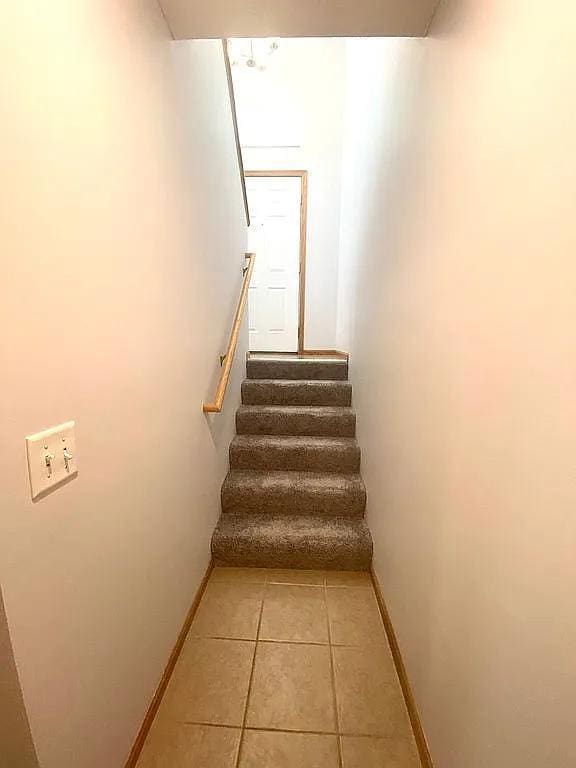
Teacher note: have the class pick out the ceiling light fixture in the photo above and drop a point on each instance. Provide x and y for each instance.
(252, 53)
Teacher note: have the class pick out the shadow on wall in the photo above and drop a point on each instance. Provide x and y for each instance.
(16, 747)
(398, 151)
(387, 248)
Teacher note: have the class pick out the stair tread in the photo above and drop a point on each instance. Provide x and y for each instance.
(292, 541)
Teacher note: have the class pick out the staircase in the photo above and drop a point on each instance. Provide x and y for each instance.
(293, 497)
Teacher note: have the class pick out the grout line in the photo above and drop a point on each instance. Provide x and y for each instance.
(266, 640)
(372, 646)
(223, 637)
(333, 675)
(296, 583)
(348, 586)
(262, 583)
(241, 742)
(205, 723)
(293, 584)
(238, 581)
(325, 586)
(268, 729)
(294, 642)
(345, 734)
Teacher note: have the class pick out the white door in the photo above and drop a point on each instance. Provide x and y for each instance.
(274, 236)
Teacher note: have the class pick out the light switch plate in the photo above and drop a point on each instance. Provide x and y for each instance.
(51, 457)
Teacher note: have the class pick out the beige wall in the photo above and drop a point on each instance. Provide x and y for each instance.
(265, 18)
(459, 248)
(122, 239)
(16, 747)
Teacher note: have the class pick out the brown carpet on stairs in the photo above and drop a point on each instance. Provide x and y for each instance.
(294, 497)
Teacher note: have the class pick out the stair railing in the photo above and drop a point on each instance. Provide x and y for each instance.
(227, 359)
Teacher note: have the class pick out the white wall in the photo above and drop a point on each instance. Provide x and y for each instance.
(290, 117)
(122, 241)
(459, 239)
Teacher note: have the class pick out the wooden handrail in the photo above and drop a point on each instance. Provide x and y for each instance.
(235, 124)
(228, 358)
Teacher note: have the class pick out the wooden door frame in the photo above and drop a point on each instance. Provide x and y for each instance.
(303, 175)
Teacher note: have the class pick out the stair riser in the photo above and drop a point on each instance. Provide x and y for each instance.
(298, 369)
(267, 392)
(296, 424)
(293, 501)
(248, 552)
(303, 458)
(325, 561)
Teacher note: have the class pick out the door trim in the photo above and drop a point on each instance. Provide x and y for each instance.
(303, 224)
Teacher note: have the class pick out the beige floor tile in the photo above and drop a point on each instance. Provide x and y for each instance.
(348, 579)
(294, 613)
(249, 575)
(292, 688)
(182, 746)
(366, 752)
(229, 610)
(268, 749)
(354, 617)
(210, 682)
(368, 693)
(294, 576)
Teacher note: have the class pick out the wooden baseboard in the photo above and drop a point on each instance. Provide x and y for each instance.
(165, 679)
(419, 735)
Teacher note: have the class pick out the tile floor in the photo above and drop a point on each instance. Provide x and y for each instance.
(283, 669)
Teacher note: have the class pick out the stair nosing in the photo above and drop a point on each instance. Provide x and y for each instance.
(305, 408)
(321, 382)
(325, 438)
(289, 472)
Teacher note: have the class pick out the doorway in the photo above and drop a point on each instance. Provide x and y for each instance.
(277, 234)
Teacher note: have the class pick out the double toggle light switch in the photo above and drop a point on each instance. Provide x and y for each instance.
(51, 457)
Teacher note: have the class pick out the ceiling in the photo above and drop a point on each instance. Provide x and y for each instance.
(298, 18)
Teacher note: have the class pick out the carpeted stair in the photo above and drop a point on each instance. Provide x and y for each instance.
(293, 497)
